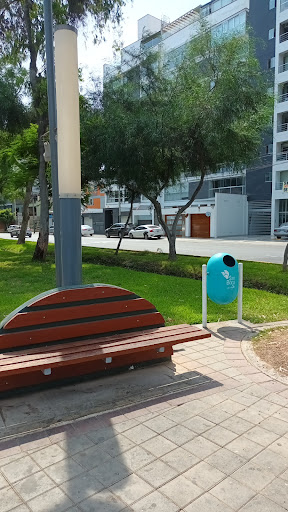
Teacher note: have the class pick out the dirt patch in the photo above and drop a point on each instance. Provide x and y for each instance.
(272, 347)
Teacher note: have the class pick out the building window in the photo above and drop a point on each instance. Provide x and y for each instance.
(272, 4)
(283, 5)
(269, 149)
(271, 33)
(271, 63)
(231, 185)
(283, 211)
(268, 177)
(237, 25)
(91, 201)
(179, 192)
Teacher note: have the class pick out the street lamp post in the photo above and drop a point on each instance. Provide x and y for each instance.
(69, 160)
(48, 24)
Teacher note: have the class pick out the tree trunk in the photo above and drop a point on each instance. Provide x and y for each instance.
(172, 245)
(285, 259)
(126, 223)
(25, 218)
(42, 242)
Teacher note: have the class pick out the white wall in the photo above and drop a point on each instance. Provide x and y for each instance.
(148, 25)
(231, 212)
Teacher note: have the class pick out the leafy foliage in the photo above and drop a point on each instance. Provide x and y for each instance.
(6, 216)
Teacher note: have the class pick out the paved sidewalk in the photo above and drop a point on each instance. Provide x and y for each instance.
(218, 445)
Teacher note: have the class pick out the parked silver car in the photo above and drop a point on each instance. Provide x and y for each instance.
(282, 231)
(86, 230)
(16, 232)
(146, 231)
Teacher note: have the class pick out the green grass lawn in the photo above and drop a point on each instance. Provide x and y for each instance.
(177, 298)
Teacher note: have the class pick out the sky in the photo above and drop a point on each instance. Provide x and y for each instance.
(92, 57)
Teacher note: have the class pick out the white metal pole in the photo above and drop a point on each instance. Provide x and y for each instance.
(204, 295)
(240, 293)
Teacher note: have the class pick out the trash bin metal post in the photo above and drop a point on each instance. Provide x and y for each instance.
(204, 296)
(240, 293)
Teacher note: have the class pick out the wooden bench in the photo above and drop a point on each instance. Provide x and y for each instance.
(65, 333)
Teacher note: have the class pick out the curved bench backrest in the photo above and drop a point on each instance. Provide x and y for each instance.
(77, 313)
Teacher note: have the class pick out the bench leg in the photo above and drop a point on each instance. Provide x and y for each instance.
(47, 371)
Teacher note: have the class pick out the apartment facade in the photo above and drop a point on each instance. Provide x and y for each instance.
(280, 133)
(229, 203)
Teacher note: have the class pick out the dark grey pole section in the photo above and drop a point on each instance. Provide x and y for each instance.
(69, 155)
(48, 24)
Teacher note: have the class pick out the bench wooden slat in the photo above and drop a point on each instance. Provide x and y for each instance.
(32, 318)
(160, 332)
(71, 349)
(78, 294)
(17, 339)
(84, 356)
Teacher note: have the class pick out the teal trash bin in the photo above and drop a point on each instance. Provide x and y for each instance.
(222, 278)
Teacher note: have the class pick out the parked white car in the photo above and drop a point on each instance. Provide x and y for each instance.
(86, 230)
(13, 227)
(282, 231)
(146, 231)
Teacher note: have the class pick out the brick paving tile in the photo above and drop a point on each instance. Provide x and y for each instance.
(207, 503)
(219, 435)
(48, 456)
(198, 424)
(201, 447)
(55, 499)
(157, 473)
(215, 414)
(275, 425)
(33, 442)
(271, 461)
(3, 482)
(158, 446)
(155, 501)
(179, 435)
(136, 458)
(125, 425)
(33, 485)
(131, 489)
(280, 446)
(92, 457)
(180, 459)
(226, 461)
(245, 399)
(261, 504)
(254, 476)
(282, 414)
(244, 447)
(101, 435)
(277, 491)
(181, 491)
(204, 475)
(20, 469)
(232, 493)
(251, 414)
(160, 424)
(21, 508)
(116, 445)
(140, 434)
(8, 499)
(237, 425)
(81, 487)
(110, 472)
(261, 436)
(266, 407)
(75, 444)
(103, 501)
(285, 475)
(64, 470)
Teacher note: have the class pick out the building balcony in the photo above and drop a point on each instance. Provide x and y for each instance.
(283, 156)
(283, 97)
(282, 127)
(283, 67)
(283, 5)
(281, 185)
(283, 37)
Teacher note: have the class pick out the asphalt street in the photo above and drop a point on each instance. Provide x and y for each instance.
(247, 248)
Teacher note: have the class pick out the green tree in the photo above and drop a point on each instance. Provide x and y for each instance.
(7, 217)
(22, 40)
(154, 126)
(19, 168)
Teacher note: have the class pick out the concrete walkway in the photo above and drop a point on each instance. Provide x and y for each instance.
(207, 432)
